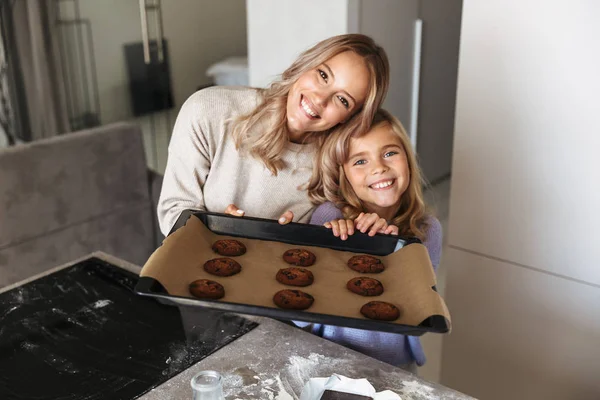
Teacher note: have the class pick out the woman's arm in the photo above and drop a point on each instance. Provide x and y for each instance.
(188, 164)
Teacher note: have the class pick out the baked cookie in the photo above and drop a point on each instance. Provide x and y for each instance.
(300, 257)
(365, 286)
(207, 289)
(222, 266)
(293, 299)
(295, 276)
(229, 247)
(366, 264)
(380, 310)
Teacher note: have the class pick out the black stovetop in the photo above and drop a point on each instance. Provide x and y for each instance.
(81, 333)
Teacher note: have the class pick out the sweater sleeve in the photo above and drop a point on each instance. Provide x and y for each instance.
(188, 164)
(324, 213)
(433, 241)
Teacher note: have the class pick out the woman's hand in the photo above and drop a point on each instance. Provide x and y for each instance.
(374, 224)
(341, 227)
(233, 210)
(286, 218)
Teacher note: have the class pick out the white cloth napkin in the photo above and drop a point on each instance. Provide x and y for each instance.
(314, 388)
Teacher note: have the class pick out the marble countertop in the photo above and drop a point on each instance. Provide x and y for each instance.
(274, 360)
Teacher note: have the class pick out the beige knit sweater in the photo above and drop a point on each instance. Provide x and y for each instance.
(205, 171)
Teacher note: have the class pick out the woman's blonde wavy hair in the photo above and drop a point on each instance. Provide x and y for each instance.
(329, 182)
(268, 145)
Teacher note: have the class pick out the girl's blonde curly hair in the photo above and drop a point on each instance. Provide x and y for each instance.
(329, 182)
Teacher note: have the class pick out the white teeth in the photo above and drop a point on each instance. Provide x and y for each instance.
(308, 109)
(382, 185)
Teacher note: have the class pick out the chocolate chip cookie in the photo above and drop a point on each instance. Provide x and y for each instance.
(366, 264)
(222, 266)
(293, 299)
(207, 289)
(295, 276)
(300, 257)
(229, 247)
(365, 286)
(380, 310)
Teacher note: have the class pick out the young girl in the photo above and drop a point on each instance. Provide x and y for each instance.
(254, 148)
(372, 183)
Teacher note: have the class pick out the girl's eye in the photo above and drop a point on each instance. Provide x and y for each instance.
(359, 162)
(390, 153)
(344, 101)
(323, 74)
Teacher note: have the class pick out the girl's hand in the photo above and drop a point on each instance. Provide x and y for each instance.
(233, 210)
(341, 227)
(391, 230)
(374, 224)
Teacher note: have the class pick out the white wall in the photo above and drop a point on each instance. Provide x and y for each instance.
(279, 30)
(524, 281)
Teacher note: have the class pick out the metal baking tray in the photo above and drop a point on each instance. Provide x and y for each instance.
(295, 234)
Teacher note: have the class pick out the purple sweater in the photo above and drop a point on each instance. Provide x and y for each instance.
(392, 348)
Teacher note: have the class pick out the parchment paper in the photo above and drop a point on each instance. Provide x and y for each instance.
(407, 279)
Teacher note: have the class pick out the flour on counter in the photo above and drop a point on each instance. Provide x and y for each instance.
(287, 383)
(267, 387)
(101, 303)
(61, 288)
(232, 382)
(414, 388)
(18, 296)
(302, 369)
(283, 394)
(29, 346)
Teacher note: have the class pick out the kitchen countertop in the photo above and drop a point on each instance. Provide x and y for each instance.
(274, 360)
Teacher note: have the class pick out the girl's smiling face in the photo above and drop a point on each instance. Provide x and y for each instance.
(377, 170)
(327, 95)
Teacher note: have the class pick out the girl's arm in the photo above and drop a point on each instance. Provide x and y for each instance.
(328, 215)
(433, 241)
(324, 213)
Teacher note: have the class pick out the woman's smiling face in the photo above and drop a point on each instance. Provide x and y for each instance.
(327, 95)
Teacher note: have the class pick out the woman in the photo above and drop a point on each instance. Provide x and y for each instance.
(254, 148)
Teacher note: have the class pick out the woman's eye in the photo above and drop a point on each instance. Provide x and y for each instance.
(323, 74)
(359, 162)
(344, 101)
(390, 153)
